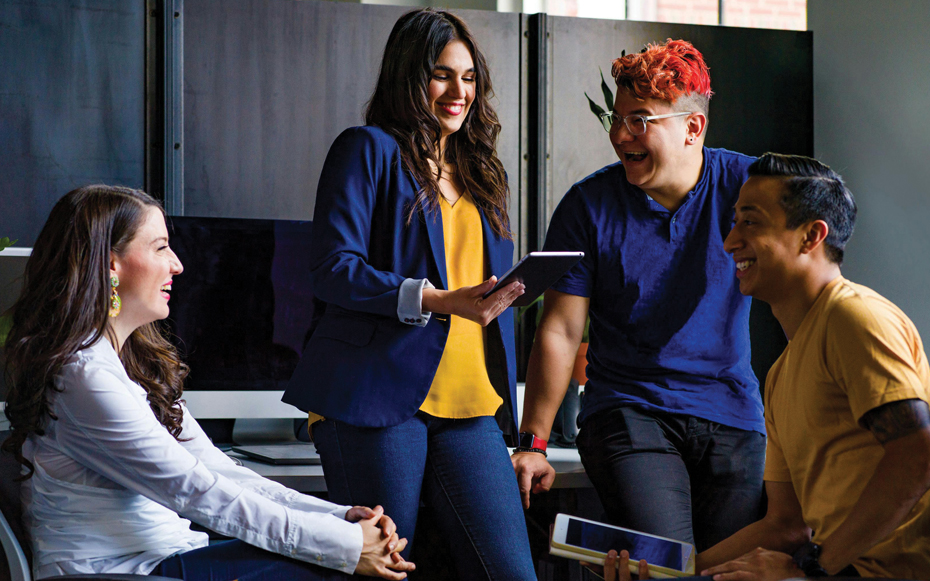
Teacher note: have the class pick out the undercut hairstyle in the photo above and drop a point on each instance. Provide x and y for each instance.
(63, 308)
(674, 71)
(400, 106)
(813, 191)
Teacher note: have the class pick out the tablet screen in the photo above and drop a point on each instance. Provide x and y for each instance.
(602, 539)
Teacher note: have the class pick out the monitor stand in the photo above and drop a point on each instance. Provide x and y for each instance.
(264, 430)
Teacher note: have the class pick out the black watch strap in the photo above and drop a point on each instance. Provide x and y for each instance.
(808, 560)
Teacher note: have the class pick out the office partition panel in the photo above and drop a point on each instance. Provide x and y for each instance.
(269, 85)
(72, 103)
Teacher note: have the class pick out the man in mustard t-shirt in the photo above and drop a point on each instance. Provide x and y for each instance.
(848, 453)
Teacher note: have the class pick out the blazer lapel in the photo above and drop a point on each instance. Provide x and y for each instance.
(436, 241)
(493, 247)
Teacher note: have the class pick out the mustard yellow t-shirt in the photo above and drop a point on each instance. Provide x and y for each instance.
(461, 387)
(853, 352)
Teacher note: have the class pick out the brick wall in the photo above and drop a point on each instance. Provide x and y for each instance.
(687, 11)
(781, 14)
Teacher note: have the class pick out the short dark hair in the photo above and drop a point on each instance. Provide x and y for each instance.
(813, 191)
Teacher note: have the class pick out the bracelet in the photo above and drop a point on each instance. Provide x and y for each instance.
(519, 449)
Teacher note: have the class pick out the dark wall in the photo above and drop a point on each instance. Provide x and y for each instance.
(870, 62)
(72, 103)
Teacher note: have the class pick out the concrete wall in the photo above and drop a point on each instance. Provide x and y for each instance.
(872, 125)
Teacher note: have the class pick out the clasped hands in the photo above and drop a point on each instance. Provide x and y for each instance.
(381, 546)
(757, 565)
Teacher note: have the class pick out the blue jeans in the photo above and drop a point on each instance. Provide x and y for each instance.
(671, 475)
(458, 468)
(239, 560)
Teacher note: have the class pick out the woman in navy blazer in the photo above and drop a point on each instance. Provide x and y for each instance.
(382, 279)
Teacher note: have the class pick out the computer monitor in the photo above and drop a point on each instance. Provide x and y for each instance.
(240, 312)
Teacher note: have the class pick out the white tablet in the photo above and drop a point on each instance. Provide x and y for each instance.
(589, 541)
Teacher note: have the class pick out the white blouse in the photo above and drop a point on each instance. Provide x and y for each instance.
(110, 483)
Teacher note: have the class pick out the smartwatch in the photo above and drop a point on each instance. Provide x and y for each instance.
(530, 441)
(807, 559)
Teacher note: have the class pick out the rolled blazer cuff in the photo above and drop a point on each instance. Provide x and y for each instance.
(410, 302)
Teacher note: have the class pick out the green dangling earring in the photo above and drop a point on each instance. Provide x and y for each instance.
(116, 303)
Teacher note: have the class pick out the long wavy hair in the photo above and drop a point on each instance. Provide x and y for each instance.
(400, 106)
(63, 308)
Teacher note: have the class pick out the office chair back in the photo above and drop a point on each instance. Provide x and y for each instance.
(14, 562)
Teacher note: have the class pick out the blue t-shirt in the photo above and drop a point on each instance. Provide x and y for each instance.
(669, 328)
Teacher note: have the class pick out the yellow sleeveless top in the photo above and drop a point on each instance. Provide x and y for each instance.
(461, 387)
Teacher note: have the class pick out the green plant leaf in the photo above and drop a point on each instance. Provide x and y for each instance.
(605, 89)
(520, 312)
(5, 242)
(6, 323)
(595, 108)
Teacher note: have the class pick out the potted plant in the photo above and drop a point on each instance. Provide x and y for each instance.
(605, 90)
(608, 96)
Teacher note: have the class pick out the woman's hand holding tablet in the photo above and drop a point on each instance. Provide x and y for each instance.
(537, 271)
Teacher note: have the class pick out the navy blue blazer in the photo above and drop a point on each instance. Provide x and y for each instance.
(361, 364)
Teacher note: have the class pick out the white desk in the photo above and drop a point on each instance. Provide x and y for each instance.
(569, 472)
(266, 406)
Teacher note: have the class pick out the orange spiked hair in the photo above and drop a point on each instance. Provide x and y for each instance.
(664, 71)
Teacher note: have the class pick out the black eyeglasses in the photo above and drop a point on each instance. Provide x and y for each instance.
(635, 124)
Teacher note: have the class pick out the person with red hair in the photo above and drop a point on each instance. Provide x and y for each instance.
(671, 427)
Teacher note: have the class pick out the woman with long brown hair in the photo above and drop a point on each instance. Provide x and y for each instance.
(111, 457)
(409, 366)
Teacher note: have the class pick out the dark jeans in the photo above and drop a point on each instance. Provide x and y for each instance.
(675, 476)
(461, 471)
(239, 560)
